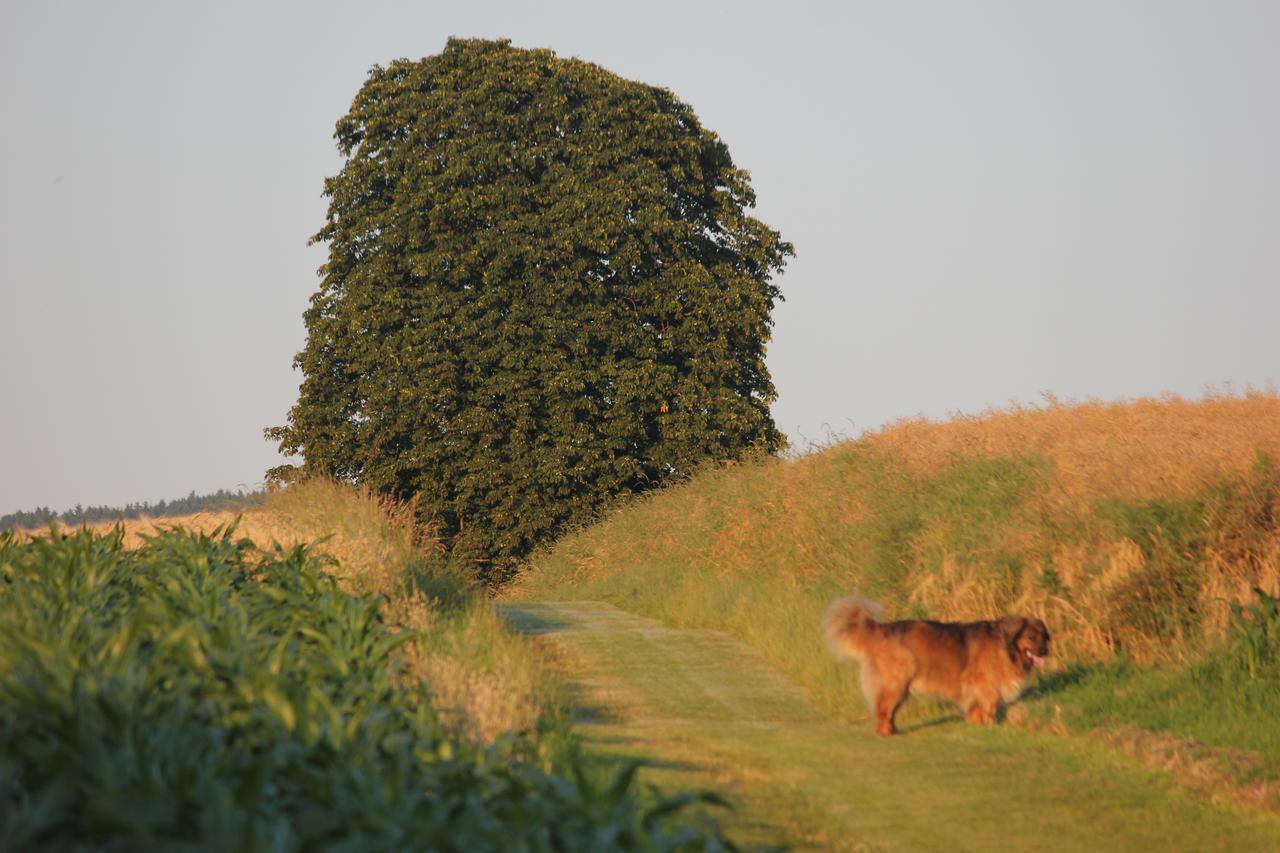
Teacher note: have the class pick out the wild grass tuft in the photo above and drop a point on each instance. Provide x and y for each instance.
(1255, 636)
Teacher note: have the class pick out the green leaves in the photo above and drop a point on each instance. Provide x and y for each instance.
(1255, 634)
(543, 291)
(201, 693)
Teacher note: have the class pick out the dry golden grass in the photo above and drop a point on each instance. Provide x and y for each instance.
(483, 680)
(1167, 446)
(1160, 449)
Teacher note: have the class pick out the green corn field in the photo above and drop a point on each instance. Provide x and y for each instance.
(200, 692)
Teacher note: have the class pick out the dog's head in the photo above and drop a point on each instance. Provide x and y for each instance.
(1028, 640)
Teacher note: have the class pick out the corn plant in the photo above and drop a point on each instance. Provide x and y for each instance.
(199, 692)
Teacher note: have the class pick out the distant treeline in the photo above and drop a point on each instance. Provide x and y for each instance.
(219, 500)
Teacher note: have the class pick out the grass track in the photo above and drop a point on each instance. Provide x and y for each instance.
(712, 713)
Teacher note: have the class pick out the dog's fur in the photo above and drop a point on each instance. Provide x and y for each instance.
(979, 665)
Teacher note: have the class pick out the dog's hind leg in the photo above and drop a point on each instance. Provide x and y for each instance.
(888, 702)
(893, 668)
(870, 680)
(884, 696)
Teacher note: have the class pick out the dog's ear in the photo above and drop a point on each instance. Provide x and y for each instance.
(1011, 628)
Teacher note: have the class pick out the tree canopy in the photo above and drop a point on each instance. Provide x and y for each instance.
(543, 290)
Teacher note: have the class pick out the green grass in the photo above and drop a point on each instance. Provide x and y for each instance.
(1226, 700)
(706, 709)
(201, 692)
(1204, 702)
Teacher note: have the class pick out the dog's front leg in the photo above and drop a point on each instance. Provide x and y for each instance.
(982, 713)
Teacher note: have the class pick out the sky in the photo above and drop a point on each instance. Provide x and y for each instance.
(990, 202)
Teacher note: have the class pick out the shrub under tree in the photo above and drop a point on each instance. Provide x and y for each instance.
(543, 290)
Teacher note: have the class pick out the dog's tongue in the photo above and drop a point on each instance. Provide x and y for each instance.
(1037, 660)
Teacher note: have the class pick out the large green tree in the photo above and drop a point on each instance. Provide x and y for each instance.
(543, 290)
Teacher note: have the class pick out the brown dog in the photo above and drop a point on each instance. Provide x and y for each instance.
(979, 665)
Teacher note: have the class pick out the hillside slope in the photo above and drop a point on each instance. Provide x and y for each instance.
(1145, 533)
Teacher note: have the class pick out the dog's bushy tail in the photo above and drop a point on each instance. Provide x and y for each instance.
(845, 624)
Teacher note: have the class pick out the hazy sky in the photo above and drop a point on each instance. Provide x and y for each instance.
(988, 201)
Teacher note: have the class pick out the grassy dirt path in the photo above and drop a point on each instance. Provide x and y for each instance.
(711, 713)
